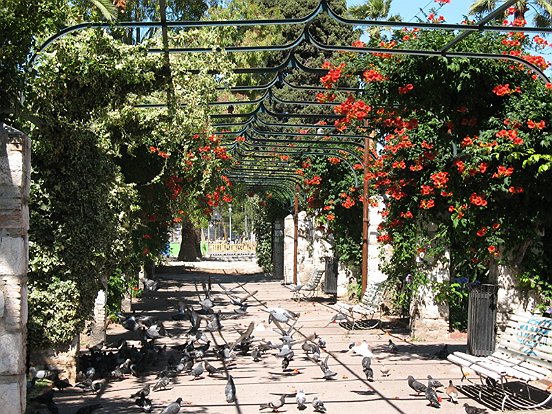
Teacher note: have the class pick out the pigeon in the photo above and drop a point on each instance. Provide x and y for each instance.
(391, 347)
(281, 314)
(310, 348)
(318, 405)
(442, 353)
(321, 341)
(452, 393)
(98, 386)
(173, 407)
(328, 373)
(384, 370)
(230, 390)
(363, 349)
(275, 404)
(150, 285)
(434, 383)
(237, 301)
(144, 392)
(197, 371)
(88, 409)
(301, 399)
(59, 383)
(211, 370)
(338, 317)
(431, 396)
(416, 385)
(367, 369)
(285, 363)
(256, 354)
(162, 384)
(470, 409)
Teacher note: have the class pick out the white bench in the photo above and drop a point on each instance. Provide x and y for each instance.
(523, 352)
(369, 304)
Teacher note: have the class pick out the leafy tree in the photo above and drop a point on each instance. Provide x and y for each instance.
(542, 10)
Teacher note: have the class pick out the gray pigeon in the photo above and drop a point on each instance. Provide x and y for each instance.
(98, 386)
(367, 369)
(470, 409)
(144, 392)
(434, 383)
(173, 407)
(275, 404)
(431, 396)
(301, 399)
(392, 347)
(211, 370)
(416, 385)
(318, 405)
(280, 314)
(230, 390)
(197, 371)
(162, 384)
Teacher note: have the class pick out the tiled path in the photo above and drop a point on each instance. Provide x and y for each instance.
(264, 381)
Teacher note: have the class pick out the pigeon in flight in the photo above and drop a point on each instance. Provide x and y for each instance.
(362, 349)
(230, 390)
(470, 409)
(318, 405)
(452, 393)
(275, 404)
(173, 407)
(416, 385)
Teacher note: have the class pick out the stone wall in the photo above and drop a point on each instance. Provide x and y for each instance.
(15, 153)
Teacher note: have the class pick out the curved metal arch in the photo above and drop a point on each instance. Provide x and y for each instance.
(312, 152)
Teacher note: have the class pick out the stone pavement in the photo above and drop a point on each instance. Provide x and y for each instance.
(264, 381)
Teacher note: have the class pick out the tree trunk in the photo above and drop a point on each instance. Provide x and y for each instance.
(190, 248)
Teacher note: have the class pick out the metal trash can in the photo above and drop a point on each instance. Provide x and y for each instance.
(330, 279)
(482, 319)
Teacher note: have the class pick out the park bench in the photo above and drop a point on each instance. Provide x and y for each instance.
(523, 353)
(368, 306)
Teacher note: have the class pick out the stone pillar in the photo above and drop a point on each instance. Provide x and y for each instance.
(429, 319)
(305, 253)
(15, 156)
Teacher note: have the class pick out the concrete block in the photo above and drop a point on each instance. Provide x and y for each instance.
(14, 258)
(12, 397)
(12, 354)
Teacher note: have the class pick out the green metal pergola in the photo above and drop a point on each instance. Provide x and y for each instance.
(267, 131)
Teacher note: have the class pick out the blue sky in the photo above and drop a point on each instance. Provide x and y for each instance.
(408, 9)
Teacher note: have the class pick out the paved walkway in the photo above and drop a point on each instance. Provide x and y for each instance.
(264, 381)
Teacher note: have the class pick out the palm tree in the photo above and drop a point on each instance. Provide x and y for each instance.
(542, 9)
(374, 10)
(108, 8)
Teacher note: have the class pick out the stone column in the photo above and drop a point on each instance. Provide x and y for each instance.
(429, 319)
(15, 156)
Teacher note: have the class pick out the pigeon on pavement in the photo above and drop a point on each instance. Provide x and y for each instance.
(391, 347)
(452, 393)
(367, 369)
(301, 399)
(434, 383)
(384, 370)
(144, 392)
(318, 405)
(275, 404)
(197, 371)
(416, 385)
(230, 390)
(280, 314)
(173, 407)
(431, 396)
(470, 409)
(162, 384)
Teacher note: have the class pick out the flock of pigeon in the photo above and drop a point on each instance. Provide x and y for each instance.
(201, 355)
